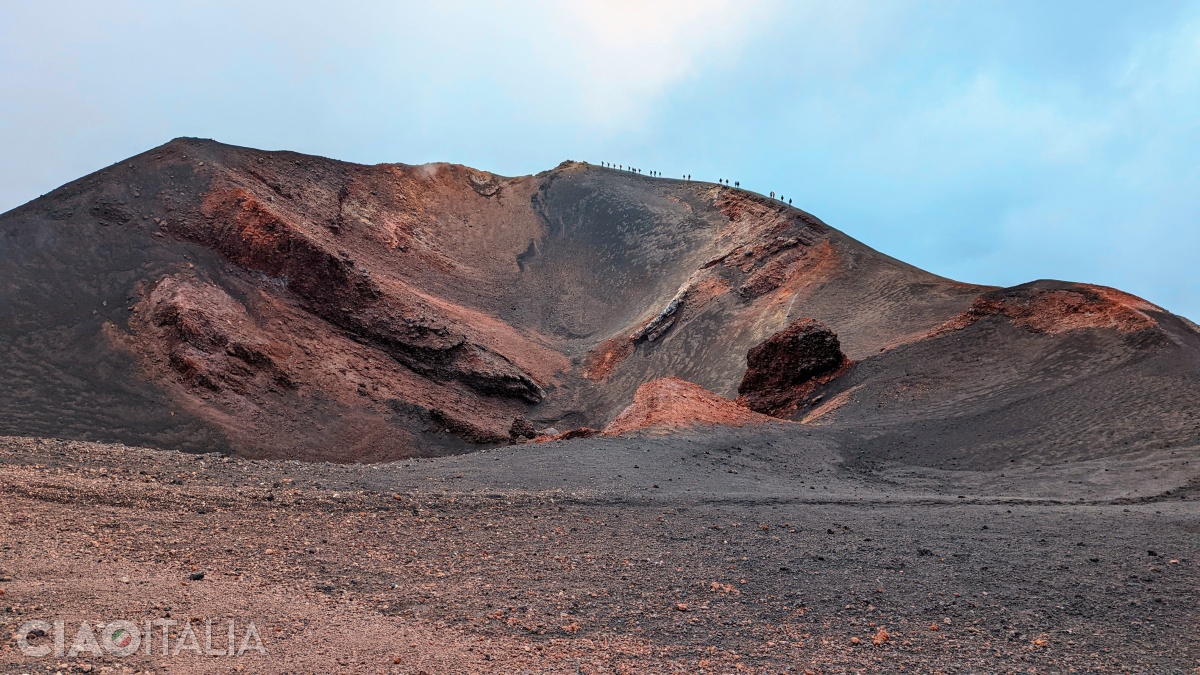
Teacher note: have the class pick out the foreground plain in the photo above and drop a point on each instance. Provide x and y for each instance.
(688, 553)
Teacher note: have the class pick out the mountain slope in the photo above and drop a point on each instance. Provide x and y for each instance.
(207, 297)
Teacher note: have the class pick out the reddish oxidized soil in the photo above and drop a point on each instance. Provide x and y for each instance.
(1059, 310)
(602, 361)
(671, 403)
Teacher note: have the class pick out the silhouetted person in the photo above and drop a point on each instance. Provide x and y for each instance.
(789, 202)
(737, 183)
(772, 195)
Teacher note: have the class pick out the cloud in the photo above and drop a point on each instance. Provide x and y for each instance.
(988, 142)
(630, 52)
(516, 84)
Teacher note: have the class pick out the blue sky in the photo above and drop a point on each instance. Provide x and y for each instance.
(984, 141)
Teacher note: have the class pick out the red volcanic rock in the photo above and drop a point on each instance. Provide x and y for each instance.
(417, 333)
(579, 432)
(209, 338)
(672, 403)
(788, 365)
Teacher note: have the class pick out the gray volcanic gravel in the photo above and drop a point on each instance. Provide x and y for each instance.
(696, 552)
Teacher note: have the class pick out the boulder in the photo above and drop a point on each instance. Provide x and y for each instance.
(789, 365)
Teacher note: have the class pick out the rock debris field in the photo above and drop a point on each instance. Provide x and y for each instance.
(634, 564)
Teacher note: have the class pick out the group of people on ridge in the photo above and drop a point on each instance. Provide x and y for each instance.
(686, 176)
(622, 167)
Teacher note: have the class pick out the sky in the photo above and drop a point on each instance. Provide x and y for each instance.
(990, 142)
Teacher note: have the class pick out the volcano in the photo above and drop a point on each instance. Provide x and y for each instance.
(582, 421)
(205, 297)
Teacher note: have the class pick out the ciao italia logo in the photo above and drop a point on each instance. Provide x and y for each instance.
(151, 637)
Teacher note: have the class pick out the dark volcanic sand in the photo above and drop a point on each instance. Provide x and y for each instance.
(577, 557)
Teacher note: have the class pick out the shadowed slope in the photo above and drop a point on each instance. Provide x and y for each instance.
(1048, 371)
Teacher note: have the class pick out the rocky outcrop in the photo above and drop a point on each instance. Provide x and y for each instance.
(250, 232)
(579, 432)
(789, 365)
(208, 337)
(521, 430)
(662, 322)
